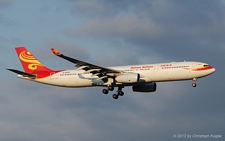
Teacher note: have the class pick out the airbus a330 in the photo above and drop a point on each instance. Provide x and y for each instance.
(142, 78)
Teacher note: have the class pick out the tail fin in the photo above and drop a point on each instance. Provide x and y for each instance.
(29, 62)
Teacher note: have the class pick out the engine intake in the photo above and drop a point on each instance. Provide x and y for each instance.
(128, 78)
(149, 87)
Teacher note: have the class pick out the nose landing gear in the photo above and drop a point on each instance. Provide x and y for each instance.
(194, 82)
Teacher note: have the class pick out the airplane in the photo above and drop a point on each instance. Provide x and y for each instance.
(142, 77)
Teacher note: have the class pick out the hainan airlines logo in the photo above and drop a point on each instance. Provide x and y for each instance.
(27, 57)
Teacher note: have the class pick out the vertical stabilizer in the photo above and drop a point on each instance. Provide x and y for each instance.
(29, 62)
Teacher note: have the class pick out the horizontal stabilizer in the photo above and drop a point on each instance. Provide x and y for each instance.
(24, 74)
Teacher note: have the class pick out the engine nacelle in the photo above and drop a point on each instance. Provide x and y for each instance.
(149, 87)
(128, 78)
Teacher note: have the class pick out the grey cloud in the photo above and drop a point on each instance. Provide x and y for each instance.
(85, 54)
(178, 31)
(64, 114)
(5, 20)
(186, 27)
(124, 26)
(71, 49)
(5, 3)
(160, 30)
(45, 55)
(9, 40)
(30, 108)
(100, 8)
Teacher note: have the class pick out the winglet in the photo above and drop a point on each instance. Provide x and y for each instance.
(56, 52)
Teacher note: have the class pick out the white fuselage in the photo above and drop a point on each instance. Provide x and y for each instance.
(174, 71)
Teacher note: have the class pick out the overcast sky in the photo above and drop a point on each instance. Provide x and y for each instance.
(109, 33)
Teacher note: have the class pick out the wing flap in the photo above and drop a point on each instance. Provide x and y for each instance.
(84, 68)
(93, 71)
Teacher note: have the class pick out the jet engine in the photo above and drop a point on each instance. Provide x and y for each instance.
(128, 78)
(149, 87)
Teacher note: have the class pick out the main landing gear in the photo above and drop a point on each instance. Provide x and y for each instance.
(111, 88)
(106, 91)
(194, 82)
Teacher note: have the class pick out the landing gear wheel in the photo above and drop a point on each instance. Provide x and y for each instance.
(115, 96)
(194, 82)
(111, 88)
(120, 93)
(105, 91)
(194, 85)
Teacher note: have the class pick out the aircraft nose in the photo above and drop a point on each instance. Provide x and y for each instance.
(213, 70)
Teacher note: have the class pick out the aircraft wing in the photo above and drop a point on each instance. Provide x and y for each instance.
(32, 76)
(88, 67)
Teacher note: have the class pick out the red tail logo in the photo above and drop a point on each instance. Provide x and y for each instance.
(29, 62)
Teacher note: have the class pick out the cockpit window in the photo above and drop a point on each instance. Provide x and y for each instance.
(206, 65)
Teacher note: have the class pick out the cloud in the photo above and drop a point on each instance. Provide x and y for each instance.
(9, 40)
(119, 33)
(101, 8)
(5, 3)
(5, 20)
(68, 48)
(45, 55)
(158, 25)
(65, 114)
(127, 26)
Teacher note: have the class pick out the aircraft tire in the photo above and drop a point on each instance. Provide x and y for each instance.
(105, 91)
(120, 93)
(115, 96)
(111, 88)
(194, 84)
